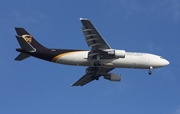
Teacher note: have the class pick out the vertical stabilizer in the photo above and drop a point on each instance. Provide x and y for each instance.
(21, 32)
(27, 43)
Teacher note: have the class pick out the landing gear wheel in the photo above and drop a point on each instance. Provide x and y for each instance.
(150, 73)
(97, 63)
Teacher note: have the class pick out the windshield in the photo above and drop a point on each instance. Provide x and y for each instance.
(161, 57)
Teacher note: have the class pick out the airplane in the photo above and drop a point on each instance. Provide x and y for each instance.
(100, 60)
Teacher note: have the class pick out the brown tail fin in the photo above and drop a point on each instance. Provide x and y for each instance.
(21, 32)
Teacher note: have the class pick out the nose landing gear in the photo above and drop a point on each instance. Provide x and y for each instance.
(150, 70)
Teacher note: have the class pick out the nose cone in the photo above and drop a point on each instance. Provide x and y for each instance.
(165, 62)
(158, 62)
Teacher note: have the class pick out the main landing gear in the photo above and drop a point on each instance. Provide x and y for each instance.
(150, 70)
(97, 65)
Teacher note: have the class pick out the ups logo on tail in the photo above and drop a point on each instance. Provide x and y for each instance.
(28, 38)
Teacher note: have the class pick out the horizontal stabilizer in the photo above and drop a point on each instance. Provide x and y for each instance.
(24, 44)
(21, 56)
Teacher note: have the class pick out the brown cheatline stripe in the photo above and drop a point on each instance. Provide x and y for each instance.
(63, 54)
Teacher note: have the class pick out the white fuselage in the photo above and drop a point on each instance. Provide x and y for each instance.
(131, 60)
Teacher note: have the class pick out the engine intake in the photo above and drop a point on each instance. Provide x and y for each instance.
(116, 53)
(113, 77)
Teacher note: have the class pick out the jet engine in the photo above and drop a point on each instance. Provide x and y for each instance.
(113, 77)
(116, 53)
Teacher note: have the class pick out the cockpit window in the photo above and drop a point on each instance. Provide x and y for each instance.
(161, 57)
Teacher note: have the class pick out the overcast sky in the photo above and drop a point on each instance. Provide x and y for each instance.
(34, 86)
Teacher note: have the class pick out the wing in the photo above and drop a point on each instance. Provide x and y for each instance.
(94, 40)
(83, 80)
(88, 76)
(93, 37)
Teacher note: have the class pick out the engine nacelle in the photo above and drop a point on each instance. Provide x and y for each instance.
(113, 77)
(118, 53)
